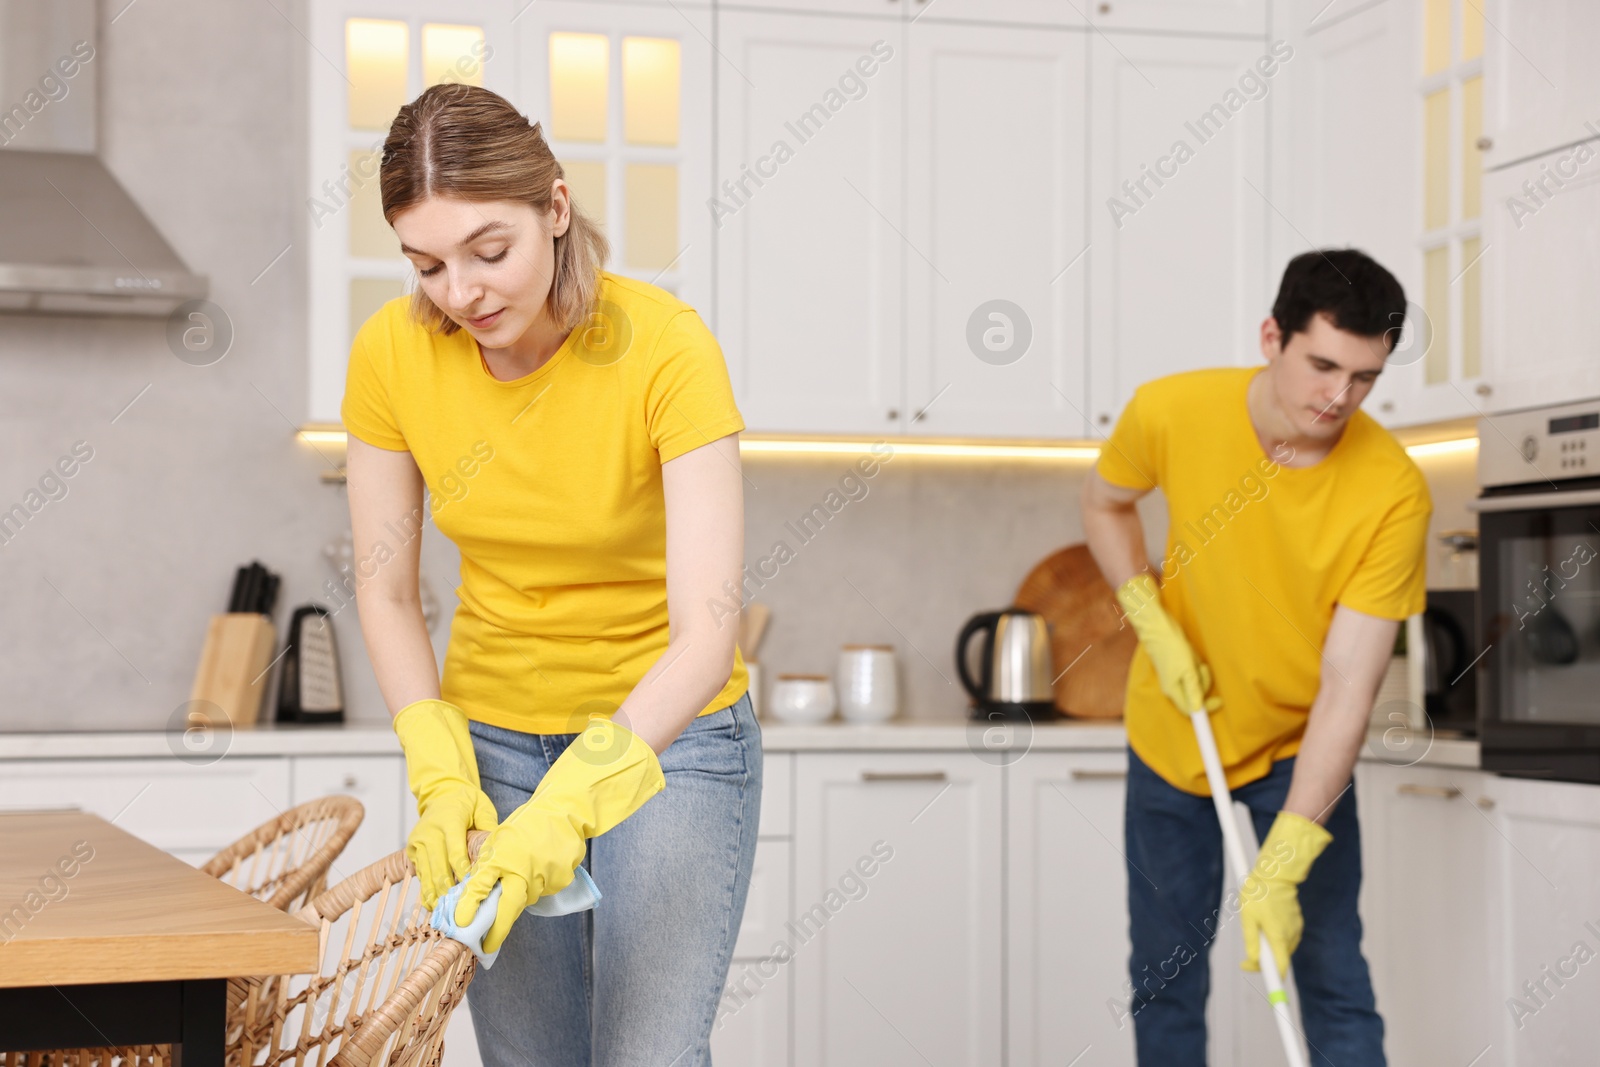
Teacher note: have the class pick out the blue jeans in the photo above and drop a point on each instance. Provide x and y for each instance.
(636, 981)
(1175, 911)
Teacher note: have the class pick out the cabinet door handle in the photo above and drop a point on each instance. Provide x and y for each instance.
(1442, 792)
(1083, 774)
(903, 776)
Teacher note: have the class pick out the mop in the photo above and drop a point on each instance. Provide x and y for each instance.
(1233, 845)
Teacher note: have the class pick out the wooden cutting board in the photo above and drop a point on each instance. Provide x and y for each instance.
(1089, 645)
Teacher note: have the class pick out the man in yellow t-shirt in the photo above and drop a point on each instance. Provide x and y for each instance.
(1296, 529)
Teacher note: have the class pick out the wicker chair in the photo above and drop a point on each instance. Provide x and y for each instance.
(285, 861)
(388, 984)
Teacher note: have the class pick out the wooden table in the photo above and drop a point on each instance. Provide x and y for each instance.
(107, 940)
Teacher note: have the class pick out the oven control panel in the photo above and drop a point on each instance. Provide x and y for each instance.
(1539, 446)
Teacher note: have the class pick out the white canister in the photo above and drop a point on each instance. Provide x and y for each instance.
(869, 688)
(802, 698)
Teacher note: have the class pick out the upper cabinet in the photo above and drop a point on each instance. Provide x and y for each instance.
(364, 67)
(622, 92)
(995, 242)
(1178, 203)
(809, 216)
(1543, 276)
(1545, 93)
(1341, 86)
(1381, 151)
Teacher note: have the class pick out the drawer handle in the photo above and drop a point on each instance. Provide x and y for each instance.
(1082, 774)
(1442, 792)
(903, 776)
(351, 781)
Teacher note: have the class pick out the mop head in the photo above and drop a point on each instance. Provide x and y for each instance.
(581, 894)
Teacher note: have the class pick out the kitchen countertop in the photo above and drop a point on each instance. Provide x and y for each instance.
(378, 739)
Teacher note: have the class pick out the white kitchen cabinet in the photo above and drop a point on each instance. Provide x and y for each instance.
(1066, 900)
(1542, 272)
(1176, 276)
(189, 809)
(624, 172)
(1351, 82)
(1431, 856)
(753, 1027)
(809, 215)
(370, 59)
(644, 172)
(1544, 88)
(1186, 16)
(995, 231)
(1183, 16)
(379, 782)
(877, 9)
(1547, 856)
(898, 891)
(753, 1018)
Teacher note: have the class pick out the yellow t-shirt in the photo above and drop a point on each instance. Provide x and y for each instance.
(550, 485)
(1258, 554)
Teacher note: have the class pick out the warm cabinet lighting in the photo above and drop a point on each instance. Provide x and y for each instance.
(766, 444)
(452, 53)
(1439, 448)
(650, 80)
(375, 61)
(579, 69)
(587, 180)
(652, 215)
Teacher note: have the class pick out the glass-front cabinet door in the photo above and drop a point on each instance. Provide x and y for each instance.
(622, 93)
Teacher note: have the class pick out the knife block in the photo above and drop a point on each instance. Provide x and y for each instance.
(234, 665)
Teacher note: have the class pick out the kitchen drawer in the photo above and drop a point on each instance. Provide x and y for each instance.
(777, 794)
(378, 782)
(181, 807)
(766, 909)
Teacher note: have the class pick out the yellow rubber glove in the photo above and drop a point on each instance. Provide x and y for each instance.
(1184, 679)
(1269, 900)
(603, 777)
(442, 770)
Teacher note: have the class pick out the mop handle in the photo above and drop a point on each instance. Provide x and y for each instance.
(1233, 846)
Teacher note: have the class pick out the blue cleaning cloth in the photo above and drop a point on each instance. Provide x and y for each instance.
(581, 894)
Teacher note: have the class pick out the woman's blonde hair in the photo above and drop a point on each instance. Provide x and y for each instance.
(465, 142)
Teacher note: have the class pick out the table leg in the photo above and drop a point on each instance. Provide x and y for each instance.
(204, 1023)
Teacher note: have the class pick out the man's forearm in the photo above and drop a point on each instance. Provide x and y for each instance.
(1114, 533)
(1355, 655)
(1334, 734)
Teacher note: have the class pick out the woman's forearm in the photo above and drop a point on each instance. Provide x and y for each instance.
(400, 649)
(691, 671)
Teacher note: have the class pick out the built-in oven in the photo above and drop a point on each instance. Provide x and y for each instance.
(1539, 592)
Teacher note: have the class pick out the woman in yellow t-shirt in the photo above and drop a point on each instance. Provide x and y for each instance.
(577, 435)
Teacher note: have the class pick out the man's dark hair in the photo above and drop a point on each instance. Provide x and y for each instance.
(1350, 287)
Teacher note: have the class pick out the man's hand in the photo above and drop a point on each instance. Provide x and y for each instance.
(1269, 899)
(1184, 679)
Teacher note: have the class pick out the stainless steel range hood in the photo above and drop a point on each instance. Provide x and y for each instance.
(73, 241)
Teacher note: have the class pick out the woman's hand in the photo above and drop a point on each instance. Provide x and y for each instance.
(603, 777)
(442, 770)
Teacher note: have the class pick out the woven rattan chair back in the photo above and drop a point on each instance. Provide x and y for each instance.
(388, 983)
(285, 861)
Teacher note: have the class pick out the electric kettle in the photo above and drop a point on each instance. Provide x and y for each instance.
(1014, 683)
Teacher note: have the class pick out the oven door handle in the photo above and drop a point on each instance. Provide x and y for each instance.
(1531, 501)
